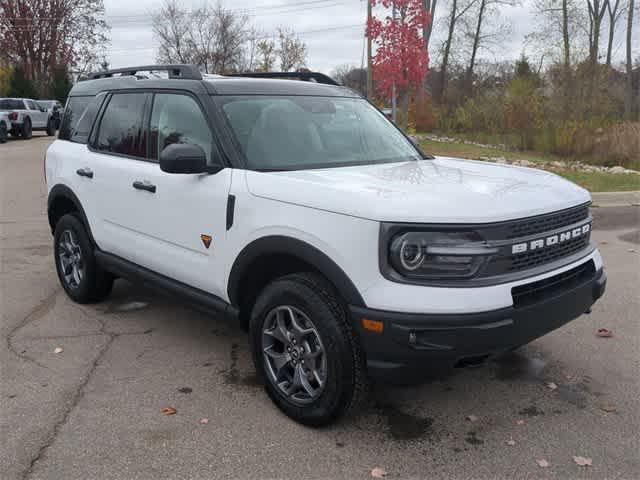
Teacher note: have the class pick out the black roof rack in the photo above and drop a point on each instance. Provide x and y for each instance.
(307, 76)
(185, 72)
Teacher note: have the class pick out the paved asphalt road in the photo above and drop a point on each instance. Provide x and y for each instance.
(93, 411)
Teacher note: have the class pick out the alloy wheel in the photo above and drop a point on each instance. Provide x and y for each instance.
(294, 355)
(70, 258)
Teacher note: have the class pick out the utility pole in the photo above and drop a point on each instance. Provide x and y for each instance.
(369, 66)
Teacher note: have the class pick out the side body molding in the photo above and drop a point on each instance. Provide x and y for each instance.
(281, 245)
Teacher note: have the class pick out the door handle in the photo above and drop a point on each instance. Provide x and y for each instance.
(144, 186)
(85, 172)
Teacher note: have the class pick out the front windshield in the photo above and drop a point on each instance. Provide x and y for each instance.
(298, 132)
(45, 104)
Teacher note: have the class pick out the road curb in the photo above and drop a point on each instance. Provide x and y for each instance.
(616, 199)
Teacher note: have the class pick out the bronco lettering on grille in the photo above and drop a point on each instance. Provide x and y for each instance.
(551, 239)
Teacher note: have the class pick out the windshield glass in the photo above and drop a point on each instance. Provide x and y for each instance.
(45, 103)
(11, 104)
(297, 132)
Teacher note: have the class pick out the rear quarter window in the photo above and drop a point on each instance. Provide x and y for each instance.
(72, 113)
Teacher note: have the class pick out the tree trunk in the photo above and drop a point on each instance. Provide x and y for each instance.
(468, 81)
(447, 50)
(613, 19)
(429, 6)
(565, 34)
(628, 103)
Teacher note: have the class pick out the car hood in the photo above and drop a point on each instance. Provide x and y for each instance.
(443, 190)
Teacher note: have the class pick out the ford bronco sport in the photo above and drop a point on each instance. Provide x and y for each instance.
(298, 210)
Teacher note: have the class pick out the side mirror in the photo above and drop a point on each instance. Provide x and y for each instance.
(183, 158)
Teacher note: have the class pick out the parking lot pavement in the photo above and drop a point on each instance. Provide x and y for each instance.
(92, 411)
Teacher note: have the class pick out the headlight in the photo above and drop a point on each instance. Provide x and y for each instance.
(438, 255)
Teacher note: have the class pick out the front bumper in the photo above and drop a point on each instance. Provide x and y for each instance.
(412, 347)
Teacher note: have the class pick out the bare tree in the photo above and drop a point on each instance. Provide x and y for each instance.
(291, 51)
(458, 9)
(352, 77)
(171, 29)
(487, 29)
(615, 9)
(628, 102)
(560, 32)
(266, 55)
(212, 37)
(597, 9)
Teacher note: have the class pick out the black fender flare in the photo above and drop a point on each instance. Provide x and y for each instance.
(62, 191)
(278, 244)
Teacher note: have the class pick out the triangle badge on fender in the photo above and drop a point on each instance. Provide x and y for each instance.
(206, 239)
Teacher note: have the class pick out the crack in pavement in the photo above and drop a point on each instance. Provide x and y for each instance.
(36, 313)
(79, 392)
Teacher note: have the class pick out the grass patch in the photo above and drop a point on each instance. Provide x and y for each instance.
(592, 181)
(602, 182)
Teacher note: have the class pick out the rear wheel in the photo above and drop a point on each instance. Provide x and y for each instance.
(81, 277)
(51, 127)
(27, 132)
(305, 351)
(4, 132)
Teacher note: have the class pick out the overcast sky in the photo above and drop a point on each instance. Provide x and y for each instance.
(332, 29)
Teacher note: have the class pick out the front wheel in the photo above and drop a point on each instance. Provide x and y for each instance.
(305, 351)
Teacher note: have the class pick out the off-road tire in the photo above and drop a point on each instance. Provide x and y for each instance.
(96, 283)
(26, 131)
(51, 127)
(346, 381)
(4, 132)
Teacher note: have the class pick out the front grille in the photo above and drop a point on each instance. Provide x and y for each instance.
(530, 293)
(534, 258)
(546, 223)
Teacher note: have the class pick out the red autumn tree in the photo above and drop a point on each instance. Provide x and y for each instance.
(401, 56)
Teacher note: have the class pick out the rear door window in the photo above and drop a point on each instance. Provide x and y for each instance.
(72, 113)
(120, 130)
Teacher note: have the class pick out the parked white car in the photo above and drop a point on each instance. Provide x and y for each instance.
(298, 210)
(25, 116)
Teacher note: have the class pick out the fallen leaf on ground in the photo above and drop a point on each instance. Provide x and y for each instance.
(204, 421)
(542, 463)
(378, 472)
(520, 422)
(608, 408)
(169, 410)
(552, 385)
(604, 243)
(583, 461)
(58, 350)
(472, 418)
(632, 250)
(511, 442)
(604, 333)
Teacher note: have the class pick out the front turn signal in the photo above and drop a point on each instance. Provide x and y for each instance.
(375, 326)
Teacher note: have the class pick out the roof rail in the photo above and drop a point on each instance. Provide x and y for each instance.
(185, 72)
(306, 76)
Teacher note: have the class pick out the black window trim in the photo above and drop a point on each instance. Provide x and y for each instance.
(98, 122)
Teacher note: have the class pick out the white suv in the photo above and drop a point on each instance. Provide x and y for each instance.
(25, 116)
(297, 209)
